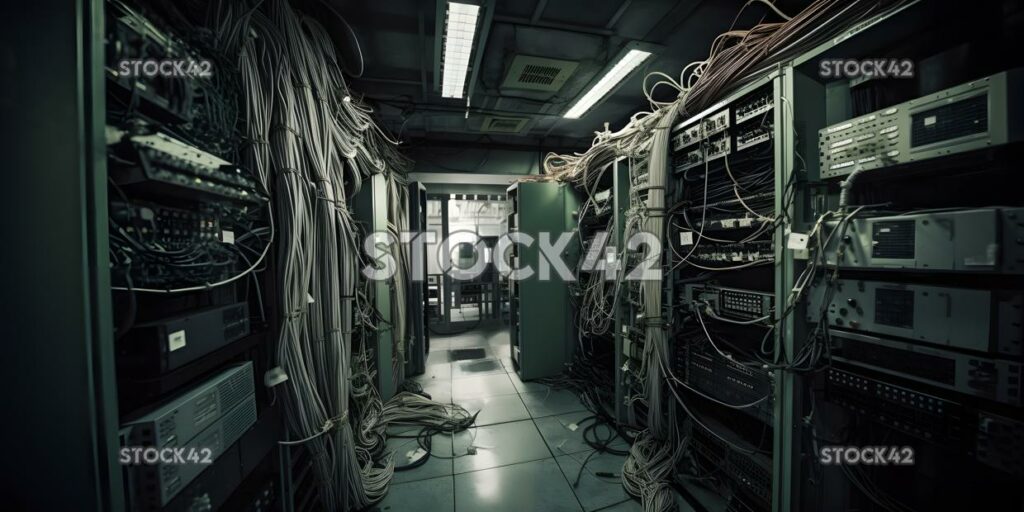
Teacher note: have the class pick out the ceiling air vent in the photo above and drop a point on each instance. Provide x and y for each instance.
(503, 124)
(538, 73)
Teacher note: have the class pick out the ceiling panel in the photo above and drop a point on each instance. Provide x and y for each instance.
(389, 33)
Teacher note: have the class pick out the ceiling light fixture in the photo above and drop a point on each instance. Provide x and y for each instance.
(459, 30)
(626, 64)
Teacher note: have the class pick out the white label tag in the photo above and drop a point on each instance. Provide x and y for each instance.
(309, 298)
(746, 222)
(728, 223)
(796, 241)
(930, 120)
(175, 340)
(686, 238)
(227, 237)
(572, 427)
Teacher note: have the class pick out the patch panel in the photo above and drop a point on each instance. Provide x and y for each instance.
(754, 107)
(687, 137)
(715, 123)
(754, 136)
(690, 159)
(718, 147)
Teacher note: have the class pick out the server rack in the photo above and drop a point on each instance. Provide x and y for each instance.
(370, 207)
(540, 332)
(419, 343)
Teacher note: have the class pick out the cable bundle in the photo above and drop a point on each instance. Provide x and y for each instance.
(739, 56)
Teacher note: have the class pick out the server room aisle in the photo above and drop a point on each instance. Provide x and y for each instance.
(525, 451)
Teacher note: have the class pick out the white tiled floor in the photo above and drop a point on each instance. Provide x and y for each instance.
(527, 453)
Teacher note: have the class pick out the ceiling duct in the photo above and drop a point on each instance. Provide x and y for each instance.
(503, 124)
(538, 73)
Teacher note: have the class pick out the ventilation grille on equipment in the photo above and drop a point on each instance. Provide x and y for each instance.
(893, 239)
(952, 121)
(235, 389)
(538, 73)
(894, 307)
(503, 124)
(238, 421)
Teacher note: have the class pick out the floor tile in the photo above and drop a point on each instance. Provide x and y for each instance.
(483, 386)
(437, 356)
(551, 402)
(441, 444)
(560, 436)
(507, 363)
(436, 371)
(501, 349)
(523, 386)
(433, 495)
(499, 445)
(496, 409)
(439, 390)
(474, 368)
(504, 489)
(630, 505)
(594, 492)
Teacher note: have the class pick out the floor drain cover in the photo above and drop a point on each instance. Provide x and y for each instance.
(463, 354)
(485, 365)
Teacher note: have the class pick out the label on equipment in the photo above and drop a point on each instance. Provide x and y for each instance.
(176, 340)
(686, 238)
(930, 120)
(796, 241)
(227, 237)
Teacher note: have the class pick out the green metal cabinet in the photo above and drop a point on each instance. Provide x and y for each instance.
(541, 331)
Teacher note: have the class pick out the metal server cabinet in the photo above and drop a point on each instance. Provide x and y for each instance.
(540, 327)
(371, 210)
(419, 338)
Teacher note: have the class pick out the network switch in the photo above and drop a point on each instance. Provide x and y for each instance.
(731, 303)
(702, 368)
(157, 484)
(992, 379)
(170, 167)
(979, 320)
(992, 439)
(168, 344)
(987, 240)
(748, 473)
(975, 115)
(754, 106)
(184, 417)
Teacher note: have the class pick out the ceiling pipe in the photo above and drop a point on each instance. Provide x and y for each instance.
(554, 25)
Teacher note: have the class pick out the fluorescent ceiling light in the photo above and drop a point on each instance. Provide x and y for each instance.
(459, 29)
(616, 74)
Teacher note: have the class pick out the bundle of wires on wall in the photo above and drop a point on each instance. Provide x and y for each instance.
(311, 143)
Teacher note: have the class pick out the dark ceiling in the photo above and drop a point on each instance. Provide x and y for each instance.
(398, 44)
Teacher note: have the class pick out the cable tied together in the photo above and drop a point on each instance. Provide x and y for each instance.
(329, 425)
